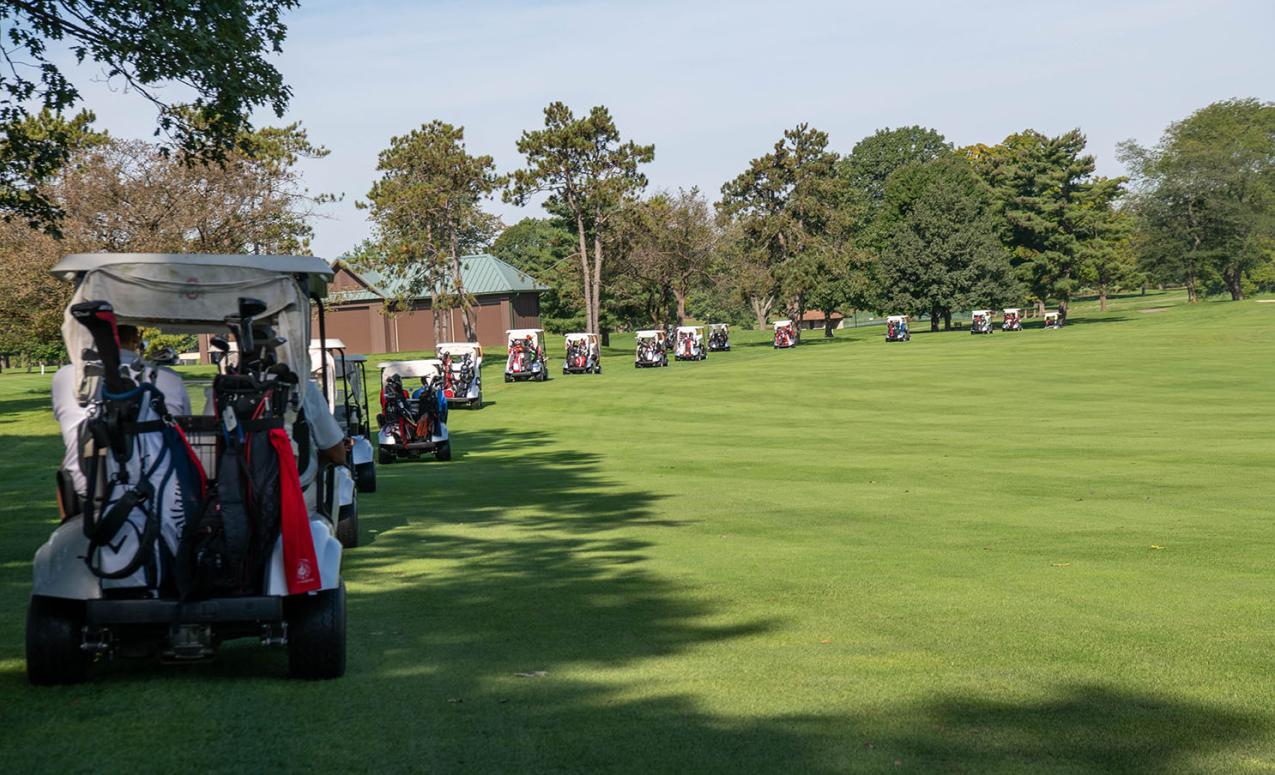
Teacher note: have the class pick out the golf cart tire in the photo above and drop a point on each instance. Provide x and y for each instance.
(508, 378)
(347, 526)
(597, 369)
(384, 456)
(54, 634)
(365, 476)
(444, 451)
(316, 634)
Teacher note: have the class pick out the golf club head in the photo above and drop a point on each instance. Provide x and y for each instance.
(219, 342)
(98, 317)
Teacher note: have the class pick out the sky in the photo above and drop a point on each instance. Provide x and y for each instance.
(714, 84)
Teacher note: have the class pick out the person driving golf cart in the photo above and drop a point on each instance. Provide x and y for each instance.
(526, 355)
(896, 328)
(194, 529)
(1013, 320)
(650, 350)
(690, 344)
(462, 373)
(718, 337)
(785, 334)
(582, 354)
(981, 322)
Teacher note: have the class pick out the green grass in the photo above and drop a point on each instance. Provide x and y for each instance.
(1049, 551)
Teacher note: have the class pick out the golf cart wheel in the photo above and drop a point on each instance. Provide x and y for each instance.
(384, 456)
(365, 477)
(347, 525)
(637, 365)
(508, 378)
(316, 634)
(597, 369)
(444, 451)
(54, 634)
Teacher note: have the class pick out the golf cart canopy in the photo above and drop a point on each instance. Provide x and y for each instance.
(649, 334)
(718, 327)
(581, 337)
(426, 367)
(522, 333)
(1051, 315)
(332, 344)
(982, 313)
(783, 324)
(460, 348)
(896, 318)
(181, 293)
(690, 329)
(1011, 310)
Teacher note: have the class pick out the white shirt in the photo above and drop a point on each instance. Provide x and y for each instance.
(69, 413)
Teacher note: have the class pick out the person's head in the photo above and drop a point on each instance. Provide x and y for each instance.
(130, 338)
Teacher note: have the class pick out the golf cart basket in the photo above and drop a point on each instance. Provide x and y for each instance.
(650, 350)
(896, 328)
(412, 421)
(1013, 320)
(583, 354)
(238, 554)
(718, 337)
(981, 322)
(526, 358)
(785, 334)
(462, 373)
(690, 343)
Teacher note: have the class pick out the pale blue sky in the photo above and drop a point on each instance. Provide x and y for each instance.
(713, 84)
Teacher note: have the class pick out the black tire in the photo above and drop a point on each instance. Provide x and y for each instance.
(443, 452)
(347, 525)
(365, 476)
(316, 634)
(637, 365)
(597, 369)
(54, 634)
(384, 456)
(508, 378)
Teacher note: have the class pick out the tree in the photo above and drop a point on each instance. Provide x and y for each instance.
(941, 248)
(1045, 192)
(874, 158)
(673, 240)
(1108, 260)
(216, 51)
(426, 206)
(790, 207)
(746, 269)
(543, 248)
(1205, 195)
(589, 176)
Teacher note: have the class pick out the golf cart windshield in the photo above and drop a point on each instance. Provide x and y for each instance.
(427, 367)
(458, 350)
(194, 294)
(523, 334)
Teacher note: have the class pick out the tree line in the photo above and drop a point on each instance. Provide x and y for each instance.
(904, 222)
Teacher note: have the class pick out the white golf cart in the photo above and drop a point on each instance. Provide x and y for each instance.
(1013, 320)
(462, 373)
(173, 549)
(690, 344)
(526, 355)
(651, 349)
(413, 418)
(981, 322)
(341, 377)
(785, 334)
(583, 354)
(1052, 320)
(896, 328)
(718, 337)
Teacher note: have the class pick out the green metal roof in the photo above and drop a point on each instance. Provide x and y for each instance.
(482, 274)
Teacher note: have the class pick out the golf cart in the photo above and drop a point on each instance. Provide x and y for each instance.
(340, 378)
(896, 328)
(526, 355)
(981, 322)
(651, 350)
(179, 544)
(690, 344)
(1052, 320)
(718, 337)
(785, 334)
(462, 373)
(1013, 320)
(412, 422)
(583, 354)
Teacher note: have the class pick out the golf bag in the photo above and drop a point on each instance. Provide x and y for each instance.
(431, 410)
(143, 480)
(578, 355)
(718, 341)
(521, 357)
(457, 382)
(783, 337)
(395, 410)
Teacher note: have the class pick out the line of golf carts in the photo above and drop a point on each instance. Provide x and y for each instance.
(688, 343)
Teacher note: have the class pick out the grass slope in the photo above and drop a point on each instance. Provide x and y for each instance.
(1047, 551)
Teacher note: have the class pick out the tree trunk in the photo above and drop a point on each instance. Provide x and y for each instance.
(584, 271)
(761, 309)
(935, 314)
(1234, 283)
(680, 298)
(797, 311)
(436, 318)
(947, 318)
(597, 278)
(466, 308)
(1191, 296)
(606, 337)
(1062, 311)
(1102, 296)
(1040, 308)
(827, 323)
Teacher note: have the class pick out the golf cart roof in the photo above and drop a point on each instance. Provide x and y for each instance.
(896, 318)
(1012, 310)
(425, 367)
(783, 323)
(182, 293)
(332, 342)
(982, 312)
(580, 336)
(522, 333)
(718, 326)
(1051, 314)
(689, 329)
(459, 347)
(648, 334)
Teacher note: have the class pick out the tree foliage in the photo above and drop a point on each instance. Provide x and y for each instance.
(874, 158)
(215, 53)
(544, 249)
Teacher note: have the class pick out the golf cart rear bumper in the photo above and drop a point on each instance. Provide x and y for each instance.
(216, 611)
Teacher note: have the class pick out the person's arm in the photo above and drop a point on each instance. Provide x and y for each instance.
(326, 433)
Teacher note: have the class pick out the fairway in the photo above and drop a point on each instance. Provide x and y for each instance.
(1047, 551)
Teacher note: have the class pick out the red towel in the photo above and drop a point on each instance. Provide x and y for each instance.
(299, 561)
